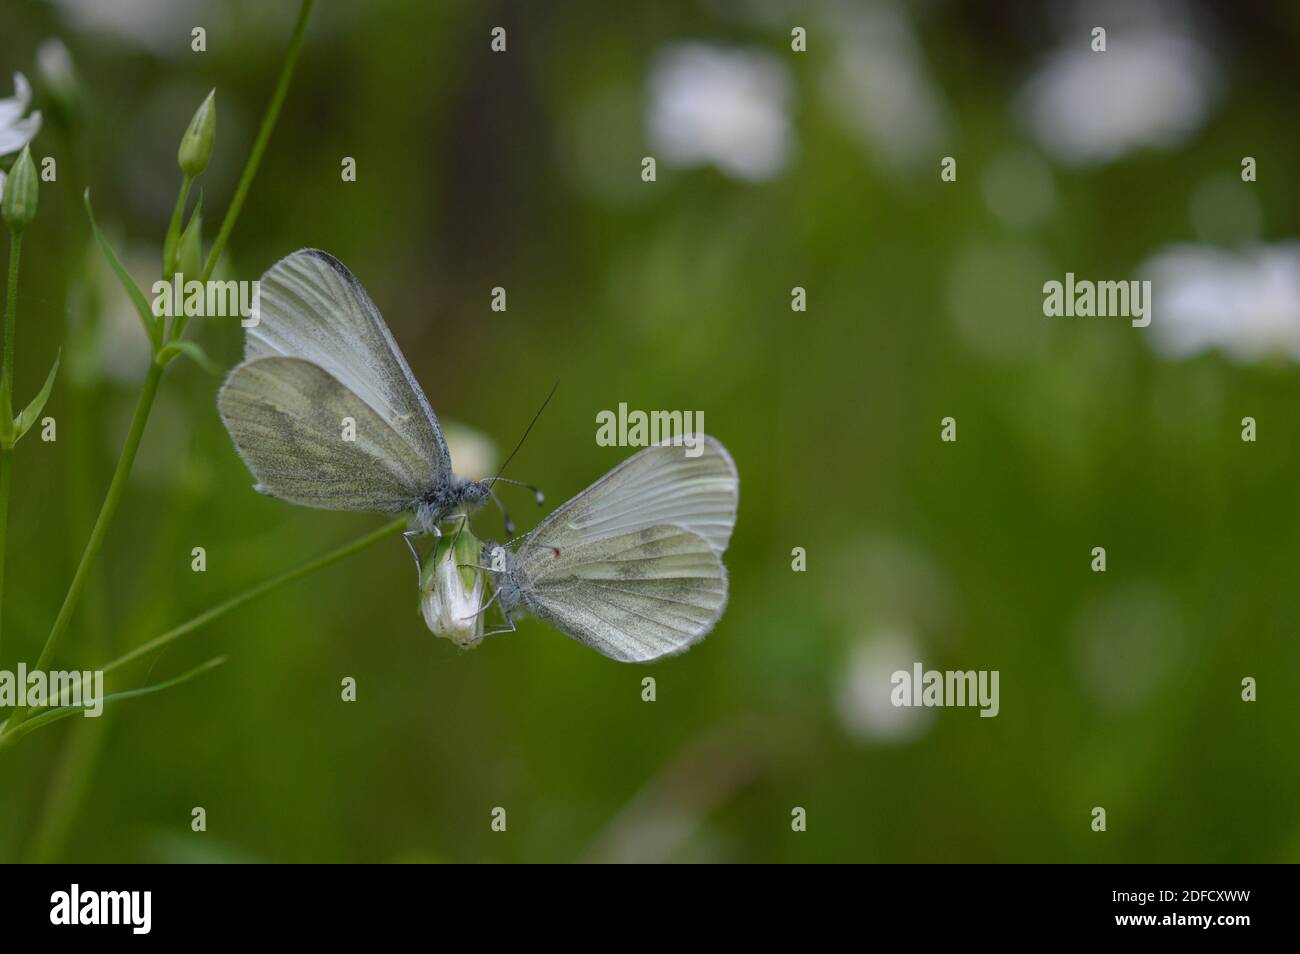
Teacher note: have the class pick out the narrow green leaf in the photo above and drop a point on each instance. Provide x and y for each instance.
(128, 283)
(28, 417)
(189, 250)
(173, 237)
(177, 348)
(62, 712)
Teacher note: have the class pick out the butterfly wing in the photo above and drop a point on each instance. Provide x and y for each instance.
(287, 418)
(635, 596)
(312, 307)
(658, 485)
(632, 566)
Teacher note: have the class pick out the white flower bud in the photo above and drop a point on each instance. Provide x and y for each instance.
(451, 594)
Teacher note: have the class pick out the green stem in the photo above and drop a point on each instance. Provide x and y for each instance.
(252, 593)
(259, 145)
(106, 513)
(150, 390)
(7, 404)
(68, 785)
(6, 472)
(221, 609)
(83, 744)
(11, 322)
(72, 774)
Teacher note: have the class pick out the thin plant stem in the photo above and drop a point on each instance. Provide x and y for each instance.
(7, 404)
(391, 529)
(6, 474)
(106, 514)
(150, 390)
(68, 785)
(253, 592)
(83, 745)
(11, 322)
(72, 773)
(169, 249)
(259, 145)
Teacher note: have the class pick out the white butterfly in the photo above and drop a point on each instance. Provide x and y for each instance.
(632, 566)
(320, 357)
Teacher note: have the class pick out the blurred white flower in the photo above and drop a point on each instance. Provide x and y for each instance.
(17, 130)
(725, 107)
(1246, 304)
(473, 451)
(879, 86)
(162, 28)
(54, 63)
(863, 700)
(1151, 88)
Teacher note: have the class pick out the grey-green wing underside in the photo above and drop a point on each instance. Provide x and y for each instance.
(634, 597)
(288, 416)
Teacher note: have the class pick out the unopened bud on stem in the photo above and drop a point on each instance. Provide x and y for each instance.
(18, 203)
(196, 144)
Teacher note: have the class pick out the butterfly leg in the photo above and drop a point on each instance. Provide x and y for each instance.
(482, 609)
(464, 522)
(508, 628)
(409, 536)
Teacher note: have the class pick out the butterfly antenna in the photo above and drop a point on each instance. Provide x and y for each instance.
(537, 493)
(527, 431)
(510, 525)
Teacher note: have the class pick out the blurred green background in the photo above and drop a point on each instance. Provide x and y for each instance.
(775, 169)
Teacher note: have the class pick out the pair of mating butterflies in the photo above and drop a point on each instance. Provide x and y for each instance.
(631, 567)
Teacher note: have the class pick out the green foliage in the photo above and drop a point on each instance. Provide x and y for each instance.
(522, 170)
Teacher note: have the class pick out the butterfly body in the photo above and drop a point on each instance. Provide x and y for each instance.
(446, 498)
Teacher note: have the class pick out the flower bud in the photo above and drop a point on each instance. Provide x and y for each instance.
(196, 144)
(451, 594)
(18, 203)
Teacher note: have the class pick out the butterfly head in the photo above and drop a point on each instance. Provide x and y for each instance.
(498, 560)
(475, 493)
